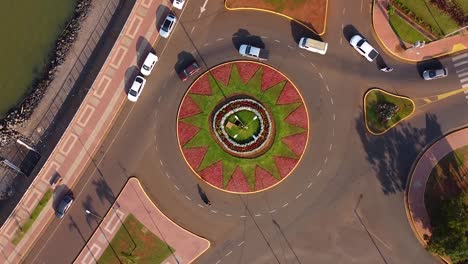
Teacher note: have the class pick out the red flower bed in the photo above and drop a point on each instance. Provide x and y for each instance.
(285, 165)
(186, 132)
(238, 183)
(263, 179)
(296, 143)
(247, 70)
(298, 117)
(188, 108)
(222, 73)
(289, 95)
(194, 156)
(213, 174)
(270, 77)
(201, 86)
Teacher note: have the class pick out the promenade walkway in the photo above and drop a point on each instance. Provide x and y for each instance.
(133, 200)
(391, 42)
(417, 212)
(85, 132)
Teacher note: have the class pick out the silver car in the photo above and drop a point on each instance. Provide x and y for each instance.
(435, 74)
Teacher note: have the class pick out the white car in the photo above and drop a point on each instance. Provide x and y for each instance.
(179, 4)
(167, 26)
(435, 74)
(363, 47)
(148, 64)
(136, 89)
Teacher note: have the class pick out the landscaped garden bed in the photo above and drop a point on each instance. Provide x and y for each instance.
(242, 127)
(446, 201)
(134, 243)
(312, 13)
(383, 110)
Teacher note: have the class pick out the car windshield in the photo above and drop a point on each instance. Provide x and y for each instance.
(166, 24)
(432, 74)
(133, 92)
(146, 67)
(360, 42)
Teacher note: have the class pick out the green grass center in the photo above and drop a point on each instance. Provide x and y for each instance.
(248, 126)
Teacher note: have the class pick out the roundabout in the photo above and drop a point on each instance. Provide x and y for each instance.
(242, 127)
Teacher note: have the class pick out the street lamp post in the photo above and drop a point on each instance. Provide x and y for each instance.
(88, 212)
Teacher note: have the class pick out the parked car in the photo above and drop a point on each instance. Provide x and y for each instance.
(253, 52)
(435, 74)
(136, 89)
(179, 4)
(363, 47)
(189, 71)
(313, 45)
(167, 26)
(148, 64)
(64, 206)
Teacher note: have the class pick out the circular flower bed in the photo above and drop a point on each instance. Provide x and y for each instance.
(258, 143)
(242, 127)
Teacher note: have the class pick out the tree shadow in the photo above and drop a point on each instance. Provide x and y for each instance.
(103, 191)
(87, 204)
(161, 12)
(298, 31)
(243, 36)
(392, 154)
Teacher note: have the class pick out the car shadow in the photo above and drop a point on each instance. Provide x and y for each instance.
(130, 75)
(349, 31)
(242, 36)
(161, 12)
(60, 192)
(184, 59)
(143, 47)
(299, 31)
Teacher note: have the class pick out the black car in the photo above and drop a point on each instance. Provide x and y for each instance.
(64, 205)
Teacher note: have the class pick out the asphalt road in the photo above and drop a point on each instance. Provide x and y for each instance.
(343, 203)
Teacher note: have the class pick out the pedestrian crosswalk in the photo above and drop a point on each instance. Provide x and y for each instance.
(460, 62)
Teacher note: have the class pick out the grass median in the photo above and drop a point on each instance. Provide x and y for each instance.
(34, 215)
(405, 31)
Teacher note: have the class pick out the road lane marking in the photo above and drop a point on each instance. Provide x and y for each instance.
(188, 198)
(318, 173)
(331, 146)
(229, 253)
(464, 55)
(462, 70)
(298, 196)
(331, 100)
(177, 187)
(334, 117)
(460, 63)
(361, 4)
(277, 41)
(463, 74)
(464, 80)
(219, 39)
(258, 214)
(206, 44)
(240, 244)
(328, 89)
(308, 186)
(300, 53)
(289, 46)
(213, 211)
(284, 205)
(228, 215)
(199, 205)
(272, 211)
(193, 28)
(243, 216)
(219, 261)
(263, 37)
(326, 159)
(344, 11)
(321, 76)
(341, 41)
(161, 162)
(167, 175)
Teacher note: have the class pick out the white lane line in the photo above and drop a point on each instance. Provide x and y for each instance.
(213, 211)
(243, 216)
(308, 186)
(159, 99)
(331, 146)
(199, 205)
(321, 76)
(464, 55)
(334, 117)
(318, 173)
(301, 54)
(277, 41)
(466, 97)
(342, 26)
(228, 215)
(193, 28)
(462, 74)
(229, 253)
(328, 89)
(460, 63)
(326, 160)
(464, 80)
(361, 4)
(272, 211)
(263, 37)
(206, 44)
(331, 100)
(219, 39)
(217, 262)
(177, 187)
(289, 46)
(461, 70)
(341, 41)
(160, 161)
(188, 198)
(240, 244)
(465, 85)
(258, 214)
(167, 174)
(466, 91)
(284, 205)
(298, 196)
(313, 65)
(344, 11)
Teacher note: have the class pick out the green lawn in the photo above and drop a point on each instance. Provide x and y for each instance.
(134, 243)
(252, 127)
(279, 5)
(404, 31)
(441, 23)
(375, 96)
(27, 225)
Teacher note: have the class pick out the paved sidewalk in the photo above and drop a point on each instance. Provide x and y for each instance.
(417, 212)
(391, 42)
(133, 200)
(85, 132)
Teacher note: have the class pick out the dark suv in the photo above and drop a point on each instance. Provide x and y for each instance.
(64, 205)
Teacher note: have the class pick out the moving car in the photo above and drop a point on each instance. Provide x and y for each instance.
(167, 26)
(64, 205)
(179, 4)
(136, 89)
(189, 71)
(435, 74)
(363, 47)
(253, 52)
(148, 64)
(313, 45)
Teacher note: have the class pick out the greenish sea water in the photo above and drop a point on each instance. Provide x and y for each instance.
(28, 30)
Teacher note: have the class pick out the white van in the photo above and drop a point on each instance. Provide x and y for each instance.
(313, 45)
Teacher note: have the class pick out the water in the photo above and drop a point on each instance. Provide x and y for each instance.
(28, 30)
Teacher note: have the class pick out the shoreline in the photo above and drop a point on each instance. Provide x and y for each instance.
(18, 115)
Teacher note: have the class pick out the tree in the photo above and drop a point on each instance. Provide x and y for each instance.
(450, 229)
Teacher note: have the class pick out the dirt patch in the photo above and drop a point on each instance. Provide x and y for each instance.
(312, 13)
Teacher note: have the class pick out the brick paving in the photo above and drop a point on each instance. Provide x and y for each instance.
(391, 42)
(417, 185)
(85, 132)
(133, 200)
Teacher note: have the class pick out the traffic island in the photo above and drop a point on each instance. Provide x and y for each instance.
(310, 13)
(383, 110)
(242, 127)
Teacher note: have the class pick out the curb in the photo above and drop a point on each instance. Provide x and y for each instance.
(283, 15)
(386, 130)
